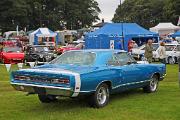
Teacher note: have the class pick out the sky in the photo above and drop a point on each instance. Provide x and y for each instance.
(108, 8)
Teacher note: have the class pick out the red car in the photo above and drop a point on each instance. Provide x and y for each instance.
(11, 55)
(67, 48)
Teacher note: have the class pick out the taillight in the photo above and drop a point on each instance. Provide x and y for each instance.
(60, 81)
(16, 77)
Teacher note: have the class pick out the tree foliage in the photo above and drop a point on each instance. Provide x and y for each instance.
(148, 13)
(55, 14)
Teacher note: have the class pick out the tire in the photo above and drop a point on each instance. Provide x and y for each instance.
(171, 61)
(153, 85)
(101, 97)
(47, 98)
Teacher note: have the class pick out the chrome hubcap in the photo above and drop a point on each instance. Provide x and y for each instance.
(153, 84)
(102, 95)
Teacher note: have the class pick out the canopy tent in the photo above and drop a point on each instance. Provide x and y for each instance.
(165, 29)
(110, 36)
(177, 34)
(42, 33)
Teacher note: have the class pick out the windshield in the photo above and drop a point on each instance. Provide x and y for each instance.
(12, 49)
(41, 49)
(76, 58)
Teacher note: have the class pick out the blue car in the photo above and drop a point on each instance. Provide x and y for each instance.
(94, 73)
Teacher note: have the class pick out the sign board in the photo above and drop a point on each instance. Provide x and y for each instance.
(111, 44)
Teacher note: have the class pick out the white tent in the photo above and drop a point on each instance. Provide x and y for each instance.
(41, 32)
(165, 29)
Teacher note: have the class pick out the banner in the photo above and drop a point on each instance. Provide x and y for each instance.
(20, 65)
(8, 67)
(111, 44)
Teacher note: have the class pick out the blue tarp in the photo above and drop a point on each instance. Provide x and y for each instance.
(177, 34)
(100, 39)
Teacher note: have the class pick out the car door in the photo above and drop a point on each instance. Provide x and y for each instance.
(129, 73)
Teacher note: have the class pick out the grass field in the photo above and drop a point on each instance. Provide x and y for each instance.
(132, 105)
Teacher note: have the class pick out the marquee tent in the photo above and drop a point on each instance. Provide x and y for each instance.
(165, 29)
(110, 36)
(40, 34)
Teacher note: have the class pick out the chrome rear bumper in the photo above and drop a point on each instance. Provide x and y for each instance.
(41, 89)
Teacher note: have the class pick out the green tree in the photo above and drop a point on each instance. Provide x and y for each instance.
(172, 11)
(54, 14)
(148, 13)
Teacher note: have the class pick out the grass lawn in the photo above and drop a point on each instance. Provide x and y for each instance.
(132, 105)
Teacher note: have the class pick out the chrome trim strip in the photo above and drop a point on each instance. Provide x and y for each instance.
(87, 91)
(42, 86)
(130, 84)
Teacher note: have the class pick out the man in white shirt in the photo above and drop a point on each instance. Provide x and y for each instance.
(162, 53)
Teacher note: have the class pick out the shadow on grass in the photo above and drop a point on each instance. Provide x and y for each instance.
(68, 104)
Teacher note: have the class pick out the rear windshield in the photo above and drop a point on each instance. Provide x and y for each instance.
(76, 58)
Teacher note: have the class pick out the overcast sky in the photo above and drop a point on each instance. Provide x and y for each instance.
(108, 8)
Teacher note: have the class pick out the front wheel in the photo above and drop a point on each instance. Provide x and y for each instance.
(153, 85)
(101, 97)
(47, 98)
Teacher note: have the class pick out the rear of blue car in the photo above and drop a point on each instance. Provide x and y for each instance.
(44, 83)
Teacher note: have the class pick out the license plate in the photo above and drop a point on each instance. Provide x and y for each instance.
(41, 91)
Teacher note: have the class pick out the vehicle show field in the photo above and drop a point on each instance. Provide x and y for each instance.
(131, 105)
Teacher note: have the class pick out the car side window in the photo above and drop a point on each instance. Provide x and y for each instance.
(120, 59)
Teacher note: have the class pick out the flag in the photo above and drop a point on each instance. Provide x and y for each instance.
(32, 64)
(8, 67)
(179, 21)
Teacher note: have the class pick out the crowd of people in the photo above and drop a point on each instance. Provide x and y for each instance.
(161, 52)
(149, 49)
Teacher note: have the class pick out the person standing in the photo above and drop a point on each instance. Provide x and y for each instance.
(149, 51)
(162, 53)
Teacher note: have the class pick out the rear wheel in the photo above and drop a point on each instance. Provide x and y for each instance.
(171, 60)
(101, 97)
(47, 98)
(153, 85)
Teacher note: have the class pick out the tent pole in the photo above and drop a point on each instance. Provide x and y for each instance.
(122, 26)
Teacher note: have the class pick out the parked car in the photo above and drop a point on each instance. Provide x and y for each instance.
(11, 55)
(172, 53)
(138, 53)
(39, 54)
(94, 73)
(71, 46)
